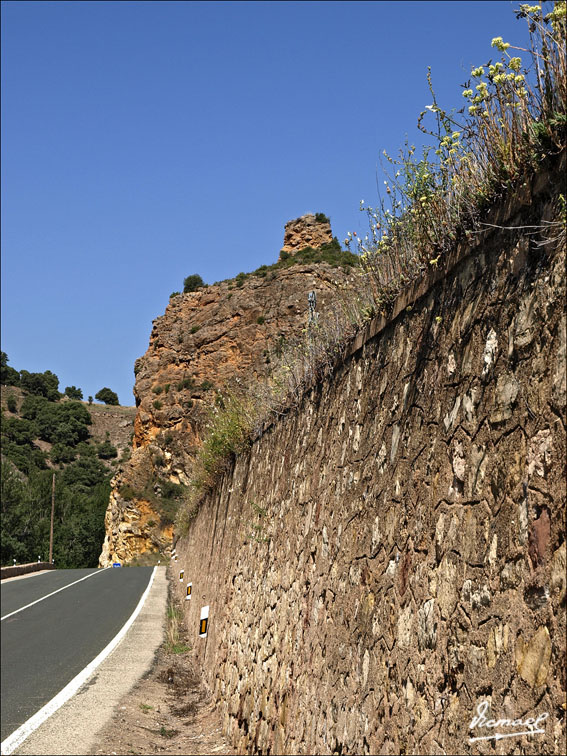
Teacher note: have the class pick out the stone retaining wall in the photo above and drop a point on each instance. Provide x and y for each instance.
(23, 569)
(392, 555)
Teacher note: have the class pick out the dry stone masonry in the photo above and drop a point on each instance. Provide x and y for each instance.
(392, 556)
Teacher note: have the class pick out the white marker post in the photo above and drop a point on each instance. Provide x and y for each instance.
(181, 573)
(189, 589)
(203, 622)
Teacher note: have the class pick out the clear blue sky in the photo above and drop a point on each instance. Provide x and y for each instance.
(145, 141)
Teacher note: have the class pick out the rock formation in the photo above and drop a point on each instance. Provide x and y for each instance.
(307, 231)
(204, 340)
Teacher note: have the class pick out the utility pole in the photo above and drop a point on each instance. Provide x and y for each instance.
(52, 513)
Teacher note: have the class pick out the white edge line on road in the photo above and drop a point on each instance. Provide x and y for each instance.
(14, 740)
(27, 606)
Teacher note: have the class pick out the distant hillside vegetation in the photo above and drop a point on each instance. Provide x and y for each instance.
(45, 432)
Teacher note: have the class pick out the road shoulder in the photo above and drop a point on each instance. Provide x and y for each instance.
(73, 728)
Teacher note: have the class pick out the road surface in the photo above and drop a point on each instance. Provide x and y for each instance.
(46, 644)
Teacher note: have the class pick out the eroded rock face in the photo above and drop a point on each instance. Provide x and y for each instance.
(307, 231)
(204, 341)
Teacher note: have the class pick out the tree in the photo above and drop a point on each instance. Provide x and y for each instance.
(41, 384)
(192, 283)
(107, 396)
(73, 392)
(8, 376)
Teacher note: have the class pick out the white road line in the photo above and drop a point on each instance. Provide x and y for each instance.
(14, 740)
(27, 606)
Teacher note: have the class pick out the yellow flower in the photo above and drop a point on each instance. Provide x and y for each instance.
(531, 8)
(499, 44)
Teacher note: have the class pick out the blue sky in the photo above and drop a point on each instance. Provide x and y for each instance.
(146, 141)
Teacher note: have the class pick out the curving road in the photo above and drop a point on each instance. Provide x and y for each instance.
(46, 644)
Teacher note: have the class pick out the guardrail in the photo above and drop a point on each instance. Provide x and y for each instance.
(22, 569)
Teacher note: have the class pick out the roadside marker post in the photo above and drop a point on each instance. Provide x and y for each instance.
(203, 622)
(189, 589)
(181, 573)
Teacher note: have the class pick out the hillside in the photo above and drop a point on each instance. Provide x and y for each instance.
(117, 422)
(78, 443)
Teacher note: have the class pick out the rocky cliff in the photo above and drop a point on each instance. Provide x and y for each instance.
(206, 340)
(391, 556)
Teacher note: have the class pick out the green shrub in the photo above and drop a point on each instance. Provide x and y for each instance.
(261, 320)
(195, 328)
(167, 387)
(240, 278)
(127, 493)
(11, 403)
(322, 218)
(206, 385)
(62, 453)
(186, 383)
(157, 404)
(20, 431)
(106, 450)
(174, 294)
(157, 389)
(193, 283)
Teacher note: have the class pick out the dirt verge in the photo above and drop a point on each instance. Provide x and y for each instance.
(167, 712)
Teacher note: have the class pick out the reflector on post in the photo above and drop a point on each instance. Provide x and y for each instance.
(203, 622)
(189, 589)
(181, 573)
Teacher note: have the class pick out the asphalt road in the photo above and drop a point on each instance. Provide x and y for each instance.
(44, 646)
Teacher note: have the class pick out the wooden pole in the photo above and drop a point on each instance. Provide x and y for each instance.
(52, 514)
